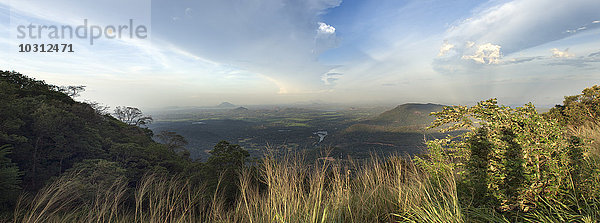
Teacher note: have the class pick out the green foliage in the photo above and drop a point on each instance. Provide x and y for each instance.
(132, 116)
(50, 133)
(513, 172)
(174, 142)
(579, 109)
(408, 114)
(94, 176)
(438, 160)
(523, 159)
(228, 156)
(576, 164)
(528, 157)
(581, 115)
(478, 166)
(224, 165)
(10, 178)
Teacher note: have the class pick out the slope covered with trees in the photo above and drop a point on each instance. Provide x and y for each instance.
(45, 133)
(409, 114)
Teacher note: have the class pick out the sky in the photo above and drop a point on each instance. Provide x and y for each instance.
(247, 52)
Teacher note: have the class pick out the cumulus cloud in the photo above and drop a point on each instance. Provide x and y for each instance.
(446, 47)
(513, 26)
(486, 54)
(469, 44)
(326, 29)
(325, 38)
(556, 53)
(569, 59)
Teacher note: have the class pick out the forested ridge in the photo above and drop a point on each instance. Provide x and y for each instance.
(45, 133)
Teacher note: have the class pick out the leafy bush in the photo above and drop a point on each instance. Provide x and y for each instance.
(518, 157)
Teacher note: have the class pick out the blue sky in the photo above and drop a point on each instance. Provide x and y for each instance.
(282, 51)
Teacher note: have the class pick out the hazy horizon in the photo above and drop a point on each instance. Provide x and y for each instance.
(272, 52)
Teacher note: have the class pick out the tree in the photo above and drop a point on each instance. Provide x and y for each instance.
(579, 109)
(10, 178)
(49, 133)
(172, 140)
(72, 91)
(478, 166)
(228, 156)
(513, 169)
(100, 109)
(529, 156)
(225, 163)
(131, 116)
(95, 176)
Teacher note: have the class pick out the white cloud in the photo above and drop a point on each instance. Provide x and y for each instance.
(326, 29)
(511, 27)
(331, 76)
(486, 54)
(469, 44)
(596, 21)
(572, 31)
(556, 53)
(445, 48)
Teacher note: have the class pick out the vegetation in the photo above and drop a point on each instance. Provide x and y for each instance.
(377, 190)
(408, 114)
(132, 116)
(45, 134)
(63, 161)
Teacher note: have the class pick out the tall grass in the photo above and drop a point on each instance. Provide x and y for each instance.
(375, 190)
(591, 133)
(292, 189)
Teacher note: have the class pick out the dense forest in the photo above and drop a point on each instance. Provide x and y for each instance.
(67, 161)
(45, 134)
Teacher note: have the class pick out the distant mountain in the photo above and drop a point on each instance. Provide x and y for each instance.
(240, 109)
(226, 105)
(408, 114)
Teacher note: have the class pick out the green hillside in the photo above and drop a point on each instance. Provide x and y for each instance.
(411, 117)
(44, 133)
(408, 114)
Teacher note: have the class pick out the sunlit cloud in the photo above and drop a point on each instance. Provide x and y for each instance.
(486, 54)
(446, 47)
(556, 53)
